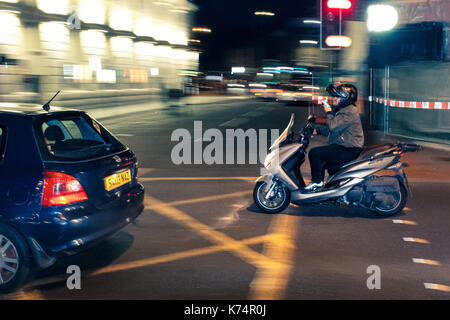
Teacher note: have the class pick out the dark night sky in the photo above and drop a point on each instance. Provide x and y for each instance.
(236, 27)
(237, 32)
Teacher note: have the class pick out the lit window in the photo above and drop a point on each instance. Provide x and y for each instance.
(120, 19)
(91, 11)
(52, 6)
(9, 28)
(122, 45)
(144, 27)
(93, 39)
(54, 35)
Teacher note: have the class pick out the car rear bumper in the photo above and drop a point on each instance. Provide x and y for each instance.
(70, 229)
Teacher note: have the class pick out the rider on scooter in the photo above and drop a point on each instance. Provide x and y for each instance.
(344, 131)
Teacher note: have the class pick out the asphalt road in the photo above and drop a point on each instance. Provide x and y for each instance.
(201, 236)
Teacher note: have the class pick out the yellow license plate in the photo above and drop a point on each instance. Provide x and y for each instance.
(118, 179)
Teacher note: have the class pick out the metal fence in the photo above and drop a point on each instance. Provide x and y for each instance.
(412, 100)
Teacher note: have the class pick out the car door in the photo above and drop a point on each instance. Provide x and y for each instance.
(20, 172)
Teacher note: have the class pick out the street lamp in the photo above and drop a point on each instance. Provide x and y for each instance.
(381, 18)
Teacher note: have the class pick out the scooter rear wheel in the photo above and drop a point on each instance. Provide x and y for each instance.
(276, 203)
(400, 203)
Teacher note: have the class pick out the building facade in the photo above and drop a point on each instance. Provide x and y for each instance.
(92, 48)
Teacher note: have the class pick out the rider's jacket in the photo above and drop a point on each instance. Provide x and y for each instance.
(344, 128)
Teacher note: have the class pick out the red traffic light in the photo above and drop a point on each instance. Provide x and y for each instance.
(339, 4)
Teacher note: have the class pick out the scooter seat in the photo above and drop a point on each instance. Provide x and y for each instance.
(367, 153)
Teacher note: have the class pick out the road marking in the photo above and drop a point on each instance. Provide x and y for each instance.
(147, 262)
(143, 172)
(124, 135)
(426, 261)
(252, 179)
(203, 199)
(178, 256)
(271, 280)
(239, 249)
(234, 122)
(408, 222)
(439, 287)
(24, 295)
(417, 240)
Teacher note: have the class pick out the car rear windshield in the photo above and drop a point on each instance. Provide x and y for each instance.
(74, 137)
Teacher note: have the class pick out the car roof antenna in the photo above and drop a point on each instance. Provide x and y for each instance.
(46, 106)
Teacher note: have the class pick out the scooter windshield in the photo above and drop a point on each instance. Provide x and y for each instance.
(284, 135)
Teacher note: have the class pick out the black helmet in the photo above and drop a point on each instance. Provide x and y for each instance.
(347, 92)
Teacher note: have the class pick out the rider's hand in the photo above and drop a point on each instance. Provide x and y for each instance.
(326, 108)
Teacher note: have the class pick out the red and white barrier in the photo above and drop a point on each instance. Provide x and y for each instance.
(413, 104)
(433, 105)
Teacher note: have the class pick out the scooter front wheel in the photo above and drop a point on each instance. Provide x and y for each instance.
(271, 200)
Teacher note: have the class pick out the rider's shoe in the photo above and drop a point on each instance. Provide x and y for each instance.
(314, 186)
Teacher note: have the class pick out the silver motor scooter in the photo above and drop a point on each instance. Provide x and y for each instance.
(357, 183)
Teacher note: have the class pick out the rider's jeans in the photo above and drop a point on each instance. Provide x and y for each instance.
(330, 155)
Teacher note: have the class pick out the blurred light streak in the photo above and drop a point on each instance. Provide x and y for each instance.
(311, 87)
(309, 42)
(312, 21)
(205, 30)
(257, 85)
(264, 75)
(237, 70)
(264, 13)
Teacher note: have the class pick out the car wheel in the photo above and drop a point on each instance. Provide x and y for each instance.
(14, 259)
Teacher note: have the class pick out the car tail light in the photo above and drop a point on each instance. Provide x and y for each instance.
(61, 189)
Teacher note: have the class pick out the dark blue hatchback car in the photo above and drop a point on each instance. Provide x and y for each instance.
(66, 183)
